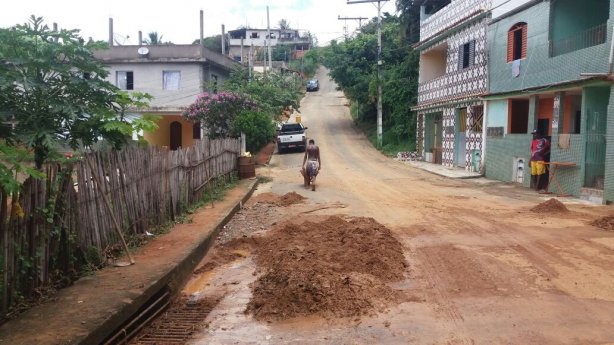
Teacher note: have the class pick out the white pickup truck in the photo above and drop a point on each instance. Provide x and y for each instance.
(291, 136)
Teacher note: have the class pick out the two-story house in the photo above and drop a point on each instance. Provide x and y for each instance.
(241, 40)
(550, 69)
(174, 75)
(452, 79)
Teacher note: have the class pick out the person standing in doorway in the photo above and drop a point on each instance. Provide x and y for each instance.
(540, 147)
(313, 164)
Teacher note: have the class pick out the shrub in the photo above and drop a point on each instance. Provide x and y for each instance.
(257, 126)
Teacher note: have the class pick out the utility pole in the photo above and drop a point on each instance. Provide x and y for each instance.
(268, 29)
(250, 62)
(360, 19)
(379, 62)
(223, 39)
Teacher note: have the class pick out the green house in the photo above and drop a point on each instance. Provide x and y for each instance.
(550, 70)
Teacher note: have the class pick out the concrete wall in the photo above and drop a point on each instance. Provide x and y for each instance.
(539, 69)
(148, 78)
(162, 136)
(500, 155)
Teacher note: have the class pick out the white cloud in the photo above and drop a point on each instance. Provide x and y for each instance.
(178, 21)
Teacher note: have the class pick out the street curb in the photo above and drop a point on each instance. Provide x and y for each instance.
(174, 279)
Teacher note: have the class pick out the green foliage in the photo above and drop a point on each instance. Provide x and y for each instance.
(258, 128)
(56, 92)
(308, 64)
(14, 161)
(352, 65)
(272, 92)
(218, 112)
(213, 43)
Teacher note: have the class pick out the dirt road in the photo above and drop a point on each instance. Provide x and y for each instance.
(482, 268)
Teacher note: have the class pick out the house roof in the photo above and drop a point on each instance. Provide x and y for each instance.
(166, 53)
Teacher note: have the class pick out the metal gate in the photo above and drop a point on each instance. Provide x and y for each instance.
(595, 150)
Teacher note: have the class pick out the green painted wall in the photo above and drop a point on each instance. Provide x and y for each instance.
(608, 191)
(497, 114)
(571, 179)
(501, 153)
(539, 69)
(572, 16)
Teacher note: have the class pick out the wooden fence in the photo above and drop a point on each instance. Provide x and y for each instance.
(52, 227)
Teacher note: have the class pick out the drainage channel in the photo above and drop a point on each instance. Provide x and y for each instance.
(161, 321)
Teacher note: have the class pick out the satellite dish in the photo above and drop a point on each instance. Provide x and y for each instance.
(143, 51)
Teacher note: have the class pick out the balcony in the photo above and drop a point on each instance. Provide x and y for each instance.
(588, 38)
(451, 15)
(458, 84)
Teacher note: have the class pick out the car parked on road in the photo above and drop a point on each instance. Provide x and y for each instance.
(291, 136)
(313, 85)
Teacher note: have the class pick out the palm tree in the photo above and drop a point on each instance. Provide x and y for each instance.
(153, 38)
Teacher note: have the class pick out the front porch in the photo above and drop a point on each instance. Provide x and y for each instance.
(573, 119)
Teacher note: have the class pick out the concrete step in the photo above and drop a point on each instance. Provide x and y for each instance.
(591, 194)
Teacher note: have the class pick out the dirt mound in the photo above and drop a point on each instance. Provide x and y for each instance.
(605, 223)
(334, 268)
(290, 199)
(285, 200)
(550, 206)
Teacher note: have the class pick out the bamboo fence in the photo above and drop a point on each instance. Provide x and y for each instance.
(50, 226)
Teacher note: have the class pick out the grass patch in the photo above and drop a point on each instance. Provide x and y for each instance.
(391, 143)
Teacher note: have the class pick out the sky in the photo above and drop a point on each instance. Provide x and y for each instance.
(178, 21)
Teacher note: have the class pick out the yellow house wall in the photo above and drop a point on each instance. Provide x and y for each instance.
(162, 136)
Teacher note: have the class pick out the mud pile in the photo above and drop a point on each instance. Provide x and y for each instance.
(274, 199)
(550, 206)
(334, 268)
(605, 223)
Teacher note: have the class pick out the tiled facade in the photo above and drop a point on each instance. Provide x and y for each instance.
(457, 24)
(544, 76)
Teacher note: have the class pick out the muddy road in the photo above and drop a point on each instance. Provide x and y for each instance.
(482, 268)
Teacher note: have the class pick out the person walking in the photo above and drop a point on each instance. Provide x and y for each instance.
(311, 164)
(540, 147)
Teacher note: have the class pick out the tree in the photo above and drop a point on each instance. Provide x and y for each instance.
(213, 43)
(352, 65)
(284, 25)
(55, 93)
(153, 38)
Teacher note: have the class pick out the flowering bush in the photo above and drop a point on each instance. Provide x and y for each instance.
(217, 112)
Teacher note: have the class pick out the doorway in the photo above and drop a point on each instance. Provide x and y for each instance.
(175, 140)
(596, 103)
(460, 138)
(433, 141)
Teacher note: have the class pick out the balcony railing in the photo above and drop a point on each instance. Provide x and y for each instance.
(591, 37)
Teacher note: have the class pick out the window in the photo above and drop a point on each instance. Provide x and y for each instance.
(196, 132)
(171, 80)
(518, 116)
(466, 55)
(477, 119)
(125, 80)
(517, 42)
(462, 120)
(254, 35)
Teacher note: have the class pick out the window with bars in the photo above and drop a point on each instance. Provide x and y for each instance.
(466, 55)
(517, 42)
